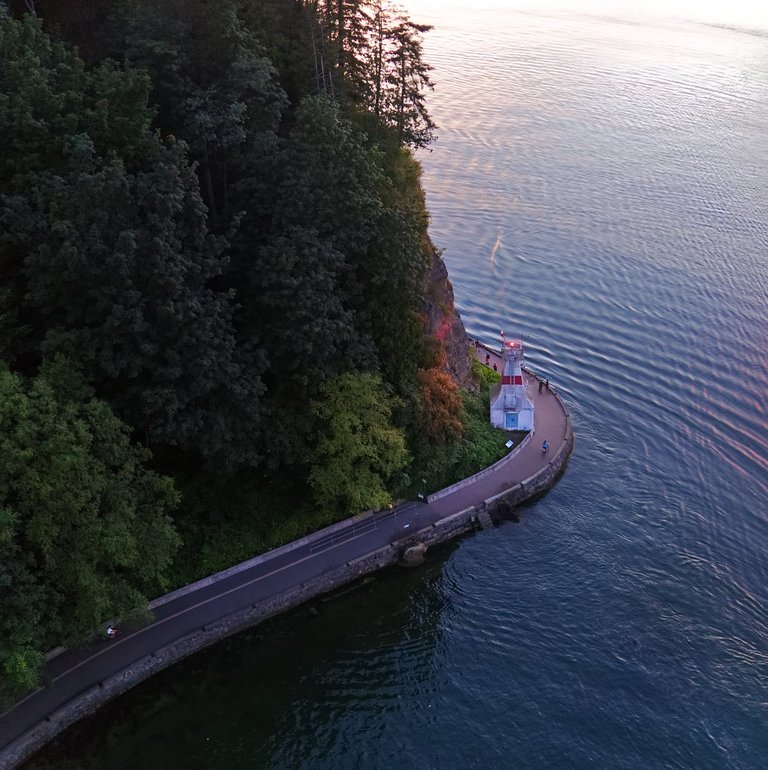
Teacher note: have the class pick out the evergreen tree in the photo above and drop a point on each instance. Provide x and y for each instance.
(377, 56)
(380, 59)
(408, 79)
(107, 253)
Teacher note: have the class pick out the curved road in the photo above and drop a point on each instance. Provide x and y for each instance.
(73, 672)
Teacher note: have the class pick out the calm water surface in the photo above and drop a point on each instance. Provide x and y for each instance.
(600, 187)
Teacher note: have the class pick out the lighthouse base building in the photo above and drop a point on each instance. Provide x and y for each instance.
(511, 409)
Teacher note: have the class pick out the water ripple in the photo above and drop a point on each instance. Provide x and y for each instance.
(599, 187)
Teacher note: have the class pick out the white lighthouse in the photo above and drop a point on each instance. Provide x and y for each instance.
(511, 409)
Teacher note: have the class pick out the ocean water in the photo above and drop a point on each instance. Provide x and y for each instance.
(600, 187)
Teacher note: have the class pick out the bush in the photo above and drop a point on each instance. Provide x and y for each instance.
(21, 671)
(481, 445)
(485, 377)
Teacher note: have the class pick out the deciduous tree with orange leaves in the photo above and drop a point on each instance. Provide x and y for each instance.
(443, 408)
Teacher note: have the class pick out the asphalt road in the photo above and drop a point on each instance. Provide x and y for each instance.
(75, 671)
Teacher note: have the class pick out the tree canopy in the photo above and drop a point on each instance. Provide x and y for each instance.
(379, 54)
(214, 253)
(85, 528)
(359, 448)
(108, 254)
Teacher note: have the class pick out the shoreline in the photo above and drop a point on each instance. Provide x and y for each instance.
(382, 538)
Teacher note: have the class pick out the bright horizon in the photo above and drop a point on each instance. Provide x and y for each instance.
(749, 14)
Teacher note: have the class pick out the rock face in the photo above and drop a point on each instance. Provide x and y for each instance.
(444, 322)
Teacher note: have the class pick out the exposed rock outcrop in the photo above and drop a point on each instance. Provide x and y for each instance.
(444, 322)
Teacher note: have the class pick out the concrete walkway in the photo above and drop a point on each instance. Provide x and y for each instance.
(73, 672)
(550, 425)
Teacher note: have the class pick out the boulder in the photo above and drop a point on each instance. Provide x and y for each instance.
(413, 556)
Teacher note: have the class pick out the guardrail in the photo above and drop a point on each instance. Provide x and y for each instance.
(333, 539)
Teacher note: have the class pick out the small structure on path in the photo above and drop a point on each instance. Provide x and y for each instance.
(511, 409)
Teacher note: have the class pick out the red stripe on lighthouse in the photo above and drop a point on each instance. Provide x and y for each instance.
(518, 379)
(506, 380)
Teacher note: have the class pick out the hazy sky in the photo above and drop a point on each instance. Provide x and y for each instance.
(744, 13)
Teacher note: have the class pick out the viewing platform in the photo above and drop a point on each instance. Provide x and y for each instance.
(524, 463)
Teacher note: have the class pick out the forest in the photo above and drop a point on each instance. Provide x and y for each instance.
(214, 266)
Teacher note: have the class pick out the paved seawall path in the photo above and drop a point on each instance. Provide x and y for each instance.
(79, 680)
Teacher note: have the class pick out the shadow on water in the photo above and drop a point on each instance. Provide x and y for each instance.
(226, 704)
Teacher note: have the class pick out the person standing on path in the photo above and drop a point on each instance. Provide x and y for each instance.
(546, 384)
(487, 359)
(541, 384)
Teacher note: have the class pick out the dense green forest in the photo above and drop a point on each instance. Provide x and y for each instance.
(214, 265)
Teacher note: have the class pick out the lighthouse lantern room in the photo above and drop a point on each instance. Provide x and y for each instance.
(511, 409)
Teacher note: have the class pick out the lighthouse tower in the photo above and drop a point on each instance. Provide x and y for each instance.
(511, 409)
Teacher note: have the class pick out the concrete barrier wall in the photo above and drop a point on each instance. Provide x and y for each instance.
(501, 504)
(480, 474)
(310, 538)
(87, 702)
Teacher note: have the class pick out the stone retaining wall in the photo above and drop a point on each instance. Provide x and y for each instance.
(88, 701)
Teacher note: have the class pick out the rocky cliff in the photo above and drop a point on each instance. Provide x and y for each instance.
(444, 322)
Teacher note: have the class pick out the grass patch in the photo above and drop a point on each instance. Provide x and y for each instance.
(485, 377)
